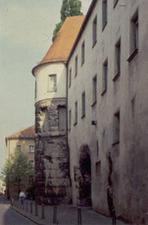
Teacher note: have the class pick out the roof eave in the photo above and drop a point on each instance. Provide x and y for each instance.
(90, 10)
(45, 63)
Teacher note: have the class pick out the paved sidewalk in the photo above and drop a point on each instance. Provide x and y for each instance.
(66, 215)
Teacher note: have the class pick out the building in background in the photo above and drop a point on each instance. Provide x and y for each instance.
(24, 141)
(100, 112)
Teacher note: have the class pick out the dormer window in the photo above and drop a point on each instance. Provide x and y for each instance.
(52, 83)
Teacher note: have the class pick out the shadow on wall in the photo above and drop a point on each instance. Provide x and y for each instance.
(82, 177)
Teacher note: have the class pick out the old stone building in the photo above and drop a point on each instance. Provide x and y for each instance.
(96, 120)
(52, 154)
(108, 110)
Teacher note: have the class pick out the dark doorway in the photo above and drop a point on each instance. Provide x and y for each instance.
(85, 181)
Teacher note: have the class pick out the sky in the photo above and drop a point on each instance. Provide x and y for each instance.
(26, 28)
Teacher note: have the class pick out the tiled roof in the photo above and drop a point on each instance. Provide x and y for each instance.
(23, 133)
(61, 47)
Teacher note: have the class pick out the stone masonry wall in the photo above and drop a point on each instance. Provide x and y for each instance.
(51, 153)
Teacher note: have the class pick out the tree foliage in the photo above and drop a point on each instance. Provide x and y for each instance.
(69, 8)
(16, 171)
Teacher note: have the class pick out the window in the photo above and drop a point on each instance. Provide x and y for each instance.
(104, 13)
(83, 53)
(76, 66)
(76, 113)
(70, 71)
(95, 30)
(83, 104)
(19, 148)
(52, 84)
(31, 148)
(94, 89)
(117, 59)
(134, 36)
(115, 3)
(116, 125)
(104, 77)
(31, 163)
(69, 124)
(97, 148)
(62, 118)
(98, 169)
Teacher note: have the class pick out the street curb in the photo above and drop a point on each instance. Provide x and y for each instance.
(34, 221)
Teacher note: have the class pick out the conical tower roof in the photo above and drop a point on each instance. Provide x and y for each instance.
(62, 46)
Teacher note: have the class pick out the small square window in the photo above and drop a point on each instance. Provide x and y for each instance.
(95, 30)
(31, 148)
(31, 163)
(52, 83)
(104, 13)
(83, 104)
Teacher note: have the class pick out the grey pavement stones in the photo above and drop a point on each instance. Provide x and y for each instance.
(66, 215)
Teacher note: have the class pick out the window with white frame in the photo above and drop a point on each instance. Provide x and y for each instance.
(52, 83)
(31, 148)
(94, 30)
(94, 90)
(104, 13)
(104, 76)
(83, 53)
(76, 66)
(83, 104)
(19, 148)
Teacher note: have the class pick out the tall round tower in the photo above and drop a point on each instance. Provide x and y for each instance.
(51, 151)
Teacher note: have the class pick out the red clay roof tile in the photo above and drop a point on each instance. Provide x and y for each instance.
(24, 133)
(61, 47)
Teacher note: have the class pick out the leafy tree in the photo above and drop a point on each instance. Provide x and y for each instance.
(69, 8)
(16, 171)
(56, 30)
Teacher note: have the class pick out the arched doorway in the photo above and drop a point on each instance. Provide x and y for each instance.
(85, 181)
